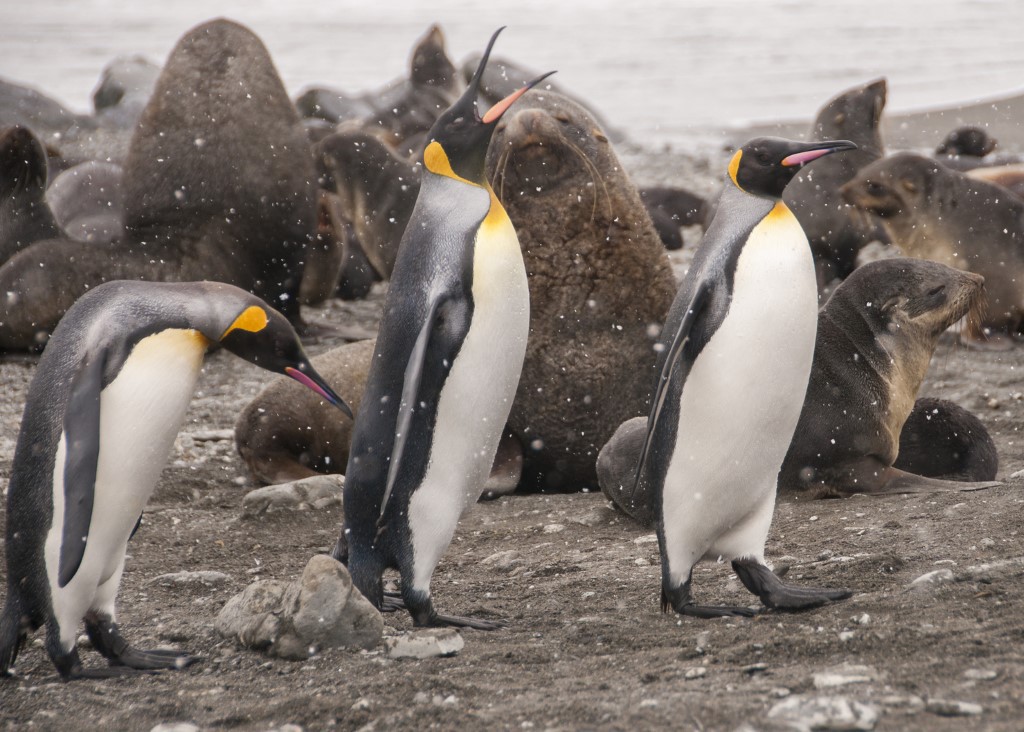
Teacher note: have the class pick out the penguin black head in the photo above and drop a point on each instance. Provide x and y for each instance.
(766, 165)
(263, 336)
(457, 143)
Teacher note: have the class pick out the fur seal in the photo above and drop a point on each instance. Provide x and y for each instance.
(875, 338)
(25, 216)
(814, 197)
(1010, 177)
(932, 212)
(670, 208)
(88, 203)
(964, 148)
(600, 286)
(219, 184)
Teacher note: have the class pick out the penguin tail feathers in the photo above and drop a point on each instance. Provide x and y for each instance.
(13, 632)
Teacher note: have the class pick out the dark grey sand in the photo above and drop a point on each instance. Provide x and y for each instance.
(587, 646)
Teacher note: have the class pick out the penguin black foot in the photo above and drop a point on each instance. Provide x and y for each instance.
(107, 639)
(392, 602)
(680, 600)
(778, 595)
(424, 616)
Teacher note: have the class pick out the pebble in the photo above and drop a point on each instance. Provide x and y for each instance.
(429, 643)
(554, 528)
(978, 674)
(317, 492)
(646, 539)
(825, 713)
(1017, 474)
(695, 673)
(361, 705)
(847, 635)
(931, 579)
(504, 560)
(208, 578)
(294, 620)
(950, 708)
(843, 675)
(175, 727)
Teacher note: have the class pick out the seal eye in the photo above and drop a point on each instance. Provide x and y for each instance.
(875, 189)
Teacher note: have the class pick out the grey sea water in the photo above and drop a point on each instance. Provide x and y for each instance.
(662, 69)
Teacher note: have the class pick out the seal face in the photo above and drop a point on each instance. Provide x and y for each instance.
(600, 286)
(875, 341)
(932, 212)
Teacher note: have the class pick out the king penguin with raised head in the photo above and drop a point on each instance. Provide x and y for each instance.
(106, 402)
(732, 371)
(445, 368)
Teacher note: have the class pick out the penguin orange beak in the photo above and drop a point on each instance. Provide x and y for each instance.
(316, 383)
(494, 113)
(816, 150)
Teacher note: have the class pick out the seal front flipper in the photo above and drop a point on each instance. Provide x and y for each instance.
(82, 440)
(778, 595)
(896, 481)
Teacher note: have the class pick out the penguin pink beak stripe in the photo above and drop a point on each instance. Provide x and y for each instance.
(807, 156)
(494, 113)
(330, 396)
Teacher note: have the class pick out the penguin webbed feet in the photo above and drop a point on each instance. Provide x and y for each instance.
(681, 600)
(423, 614)
(107, 639)
(778, 595)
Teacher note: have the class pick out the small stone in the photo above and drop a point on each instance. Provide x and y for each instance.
(825, 713)
(642, 562)
(316, 492)
(212, 435)
(978, 674)
(175, 727)
(207, 578)
(1017, 474)
(755, 668)
(646, 539)
(429, 643)
(846, 636)
(695, 673)
(648, 703)
(361, 706)
(862, 619)
(421, 697)
(987, 542)
(931, 579)
(780, 692)
(993, 403)
(950, 708)
(287, 728)
(911, 704)
(843, 675)
(554, 528)
(504, 560)
(703, 641)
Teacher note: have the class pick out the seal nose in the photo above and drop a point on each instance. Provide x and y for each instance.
(529, 127)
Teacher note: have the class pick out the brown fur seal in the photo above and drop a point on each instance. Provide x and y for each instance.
(875, 339)
(219, 184)
(600, 286)
(1010, 177)
(836, 237)
(376, 190)
(671, 208)
(932, 212)
(25, 216)
(964, 148)
(87, 202)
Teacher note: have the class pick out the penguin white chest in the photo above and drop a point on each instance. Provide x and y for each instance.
(141, 411)
(476, 398)
(742, 398)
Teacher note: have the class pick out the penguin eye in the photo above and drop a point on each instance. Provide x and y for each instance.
(763, 158)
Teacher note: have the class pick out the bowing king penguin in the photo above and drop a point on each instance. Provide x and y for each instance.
(445, 368)
(108, 398)
(733, 365)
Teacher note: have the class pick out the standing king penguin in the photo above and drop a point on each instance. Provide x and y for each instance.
(733, 367)
(108, 398)
(445, 368)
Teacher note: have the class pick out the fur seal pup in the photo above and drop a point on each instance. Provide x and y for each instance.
(932, 212)
(445, 368)
(670, 208)
(600, 287)
(964, 148)
(814, 198)
(219, 184)
(733, 363)
(941, 439)
(107, 399)
(25, 216)
(88, 203)
(876, 336)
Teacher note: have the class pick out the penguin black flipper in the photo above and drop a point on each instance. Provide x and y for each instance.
(682, 335)
(410, 391)
(82, 439)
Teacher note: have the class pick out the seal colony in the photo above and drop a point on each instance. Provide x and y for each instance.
(536, 250)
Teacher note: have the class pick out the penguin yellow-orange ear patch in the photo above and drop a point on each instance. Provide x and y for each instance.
(734, 168)
(253, 319)
(436, 161)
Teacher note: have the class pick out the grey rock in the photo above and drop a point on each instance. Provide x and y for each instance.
(294, 620)
(979, 674)
(931, 579)
(318, 491)
(825, 713)
(175, 727)
(430, 643)
(504, 561)
(989, 571)
(843, 675)
(208, 578)
(950, 708)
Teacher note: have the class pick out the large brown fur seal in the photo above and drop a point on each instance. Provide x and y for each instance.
(600, 286)
(935, 213)
(836, 237)
(219, 184)
(876, 335)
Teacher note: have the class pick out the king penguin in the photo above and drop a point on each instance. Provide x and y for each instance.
(445, 368)
(106, 402)
(734, 361)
